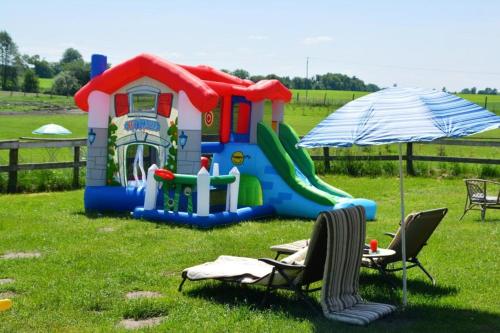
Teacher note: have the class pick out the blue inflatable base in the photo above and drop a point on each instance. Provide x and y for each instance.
(369, 205)
(115, 198)
(204, 222)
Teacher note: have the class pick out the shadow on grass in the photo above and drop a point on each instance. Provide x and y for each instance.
(98, 215)
(175, 225)
(416, 318)
(391, 284)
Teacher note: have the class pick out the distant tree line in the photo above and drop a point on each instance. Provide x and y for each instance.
(22, 71)
(328, 81)
(486, 91)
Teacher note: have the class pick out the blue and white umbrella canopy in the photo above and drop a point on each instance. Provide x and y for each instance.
(51, 129)
(395, 115)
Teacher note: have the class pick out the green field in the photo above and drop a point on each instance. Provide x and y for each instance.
(45, 84)
(18, 101)
(337, 98)
(300, 116)
(334, 99)
(89, 263)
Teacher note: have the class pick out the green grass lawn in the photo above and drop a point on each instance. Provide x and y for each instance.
(80, 281)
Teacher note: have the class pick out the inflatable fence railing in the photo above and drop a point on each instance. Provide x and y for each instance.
(175, 185)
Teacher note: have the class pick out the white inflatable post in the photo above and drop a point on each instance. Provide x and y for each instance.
(203, 193)
(215, 169)
(151, 189)
(234, 190)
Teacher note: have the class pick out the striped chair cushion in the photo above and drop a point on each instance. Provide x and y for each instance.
(340, 299)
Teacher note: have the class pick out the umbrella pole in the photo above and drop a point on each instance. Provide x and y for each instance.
(403, 229)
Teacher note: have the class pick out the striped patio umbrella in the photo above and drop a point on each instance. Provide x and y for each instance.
(400, 115)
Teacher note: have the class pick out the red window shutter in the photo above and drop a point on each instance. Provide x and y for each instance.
(121, 104)
(165, 105)
(243, 118)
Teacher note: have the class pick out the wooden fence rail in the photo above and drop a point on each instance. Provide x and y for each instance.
(15, 145)
(14, 166)
(409, 157)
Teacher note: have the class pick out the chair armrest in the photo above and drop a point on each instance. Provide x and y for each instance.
(492, 182)
(290, 248)
(390, 234)
(280, 265)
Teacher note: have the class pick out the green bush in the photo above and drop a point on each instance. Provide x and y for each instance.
(488, 171)
(65, 83)
(42, 180)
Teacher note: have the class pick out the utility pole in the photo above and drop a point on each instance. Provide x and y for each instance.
(307, 76)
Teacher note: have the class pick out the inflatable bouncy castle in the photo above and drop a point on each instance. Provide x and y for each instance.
(147, 120)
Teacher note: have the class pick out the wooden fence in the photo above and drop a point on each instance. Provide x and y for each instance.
(409, 157)
(14, 166)
(15, 145)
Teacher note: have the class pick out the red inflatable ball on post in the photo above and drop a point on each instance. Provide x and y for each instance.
(205, 162)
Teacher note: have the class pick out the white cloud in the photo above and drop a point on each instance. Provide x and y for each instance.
(317, 40)
(257, 37)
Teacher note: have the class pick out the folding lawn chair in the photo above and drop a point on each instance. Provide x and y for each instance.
(419, 228)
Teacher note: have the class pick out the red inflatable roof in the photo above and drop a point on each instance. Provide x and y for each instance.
(203, 85)
(208, 73)
(176, 77)
(265, 89)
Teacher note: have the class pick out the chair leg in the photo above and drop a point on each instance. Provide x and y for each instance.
(307, 300)
(466, 208)
(425, 271)
(182, 282)
(299, 293)
(483, 213)
(268, 288)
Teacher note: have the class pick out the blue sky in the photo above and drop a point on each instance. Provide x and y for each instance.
(419, 43)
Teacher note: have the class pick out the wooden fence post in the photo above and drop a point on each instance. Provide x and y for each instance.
(409, 159)
(326, 159)
(76, 167)
(13, 163)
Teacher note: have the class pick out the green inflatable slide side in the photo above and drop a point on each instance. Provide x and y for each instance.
(270, 144)
(301, 157)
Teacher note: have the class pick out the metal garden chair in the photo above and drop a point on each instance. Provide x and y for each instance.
(478, 198)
